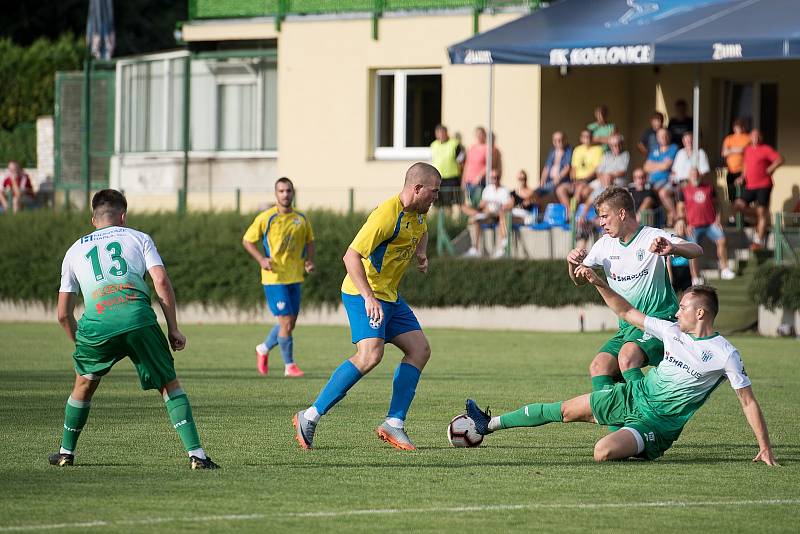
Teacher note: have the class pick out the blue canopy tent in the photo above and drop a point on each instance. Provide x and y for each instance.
(573, 33)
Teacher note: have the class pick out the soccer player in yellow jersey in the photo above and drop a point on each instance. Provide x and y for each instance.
(395, 233)
(287, 242)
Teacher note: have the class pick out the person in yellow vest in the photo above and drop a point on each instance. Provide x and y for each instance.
(447, 155)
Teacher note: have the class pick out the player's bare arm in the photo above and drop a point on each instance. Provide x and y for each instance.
(66, 314)
(613, 300)
(755, 418)
(575, 259)
(352, 262)
(664, 247)
(310, 255)
(422, 253)
(166, 299)
(264, 262)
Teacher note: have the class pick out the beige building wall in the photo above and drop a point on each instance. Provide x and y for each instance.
(325, 123)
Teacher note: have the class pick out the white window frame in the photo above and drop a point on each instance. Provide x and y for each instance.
(399, 150)
(216, 152)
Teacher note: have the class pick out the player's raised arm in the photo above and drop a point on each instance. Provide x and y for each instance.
(755, 418)
(618, 305)
(166, 299)
(66, 314)
(678, 247)
(575, 259)
(355, 268)
(422, 253)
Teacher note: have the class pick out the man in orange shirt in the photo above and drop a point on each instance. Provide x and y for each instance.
(733, 152)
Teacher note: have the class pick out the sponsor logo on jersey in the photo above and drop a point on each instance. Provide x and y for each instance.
(419, 218)
(707, 355)
(613, 257)
(640, 254)
(624, 278)
(681, 365)
(296, 221)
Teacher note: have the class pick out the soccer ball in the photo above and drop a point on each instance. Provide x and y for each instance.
(461, 432)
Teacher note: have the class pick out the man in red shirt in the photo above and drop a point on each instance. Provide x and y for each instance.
(760, 161)
(697, 207)
(19, 183)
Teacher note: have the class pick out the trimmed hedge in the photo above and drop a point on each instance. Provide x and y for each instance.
(776, 286)
(207, 264)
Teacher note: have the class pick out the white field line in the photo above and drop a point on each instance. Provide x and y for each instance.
(390, 511)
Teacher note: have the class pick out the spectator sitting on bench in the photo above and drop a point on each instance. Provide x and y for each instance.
(491, 210)
(586, 157)
(644, 198)
(521, 203)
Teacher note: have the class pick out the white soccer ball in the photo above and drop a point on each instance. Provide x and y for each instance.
(461, 432)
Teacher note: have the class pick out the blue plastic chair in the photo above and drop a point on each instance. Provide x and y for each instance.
(555, 216)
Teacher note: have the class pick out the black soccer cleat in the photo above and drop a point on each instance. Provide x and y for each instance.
(204, 463)
(479, 417)
(61, 460)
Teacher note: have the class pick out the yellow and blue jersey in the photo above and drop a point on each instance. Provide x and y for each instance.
(284, 237)
(387, 243)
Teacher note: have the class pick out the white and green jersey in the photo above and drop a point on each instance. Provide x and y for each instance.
(108, 267)
(637, 274)
(691, 369)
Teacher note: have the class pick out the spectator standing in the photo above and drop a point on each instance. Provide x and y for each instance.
(659, 166)
(556, 170)
(474, 177)
(760, 161)
(490, 210)
(733, 151)
(645, 200)
(615, 162)
(19, 183)
(680, 123)
(586, 157)
(448, 156)
(601, 129)
(648, 142)
(684, 161)
(698, 208)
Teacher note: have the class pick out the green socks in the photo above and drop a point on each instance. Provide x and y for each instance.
(633, 374)
(532, 415)
(180, 414)
(75, 415)
(602, 382)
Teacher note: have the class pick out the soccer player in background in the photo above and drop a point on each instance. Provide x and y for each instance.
(632, 256)
(653, 411)
(108, 267)
(288, 253)
(395, 233)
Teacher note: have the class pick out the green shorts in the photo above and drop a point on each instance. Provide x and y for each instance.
(146, 347)
(617, 407)
(652, 347)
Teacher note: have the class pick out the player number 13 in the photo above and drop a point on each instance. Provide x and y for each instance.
(114, 250)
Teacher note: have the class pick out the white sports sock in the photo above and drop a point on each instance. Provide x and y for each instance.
(65, 451)
(312, 415)
(494, 423)
(394, 422)
(198, 453)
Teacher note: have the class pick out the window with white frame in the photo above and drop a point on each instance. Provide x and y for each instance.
(233, 104)
(406, 110)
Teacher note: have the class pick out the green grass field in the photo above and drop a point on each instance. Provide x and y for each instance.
(131, 474)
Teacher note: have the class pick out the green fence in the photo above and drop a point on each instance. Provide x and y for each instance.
(214, 9)
(77, 167)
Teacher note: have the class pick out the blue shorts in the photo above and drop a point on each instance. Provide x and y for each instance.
(713, 232)
(283, 299)
(397, 319)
